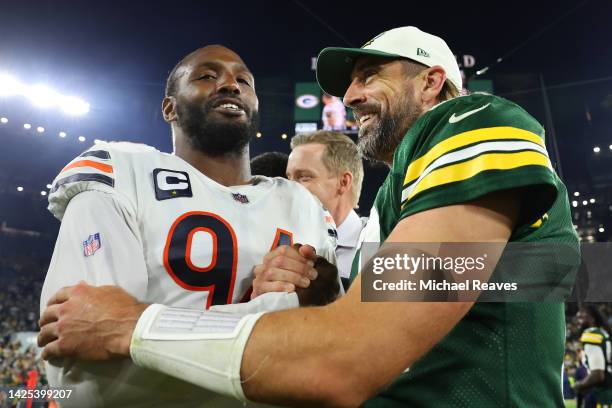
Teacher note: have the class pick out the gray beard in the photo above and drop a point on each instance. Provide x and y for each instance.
(380, 141)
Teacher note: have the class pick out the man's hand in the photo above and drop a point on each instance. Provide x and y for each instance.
(299, 269)
(285, 268)
(324, 289)
(89, 323)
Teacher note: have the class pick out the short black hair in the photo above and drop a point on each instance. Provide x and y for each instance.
(593, 311)
(270, 164)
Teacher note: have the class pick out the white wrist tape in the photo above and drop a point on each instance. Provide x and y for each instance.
(201, 347)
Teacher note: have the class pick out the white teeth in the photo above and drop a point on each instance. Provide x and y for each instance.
(230, 106)
(363, 119)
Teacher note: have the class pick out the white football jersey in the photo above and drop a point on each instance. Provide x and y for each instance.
(156, 226)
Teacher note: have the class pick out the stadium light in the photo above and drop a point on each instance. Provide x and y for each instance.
(43, 193)
(574, 203)
(9, 85)
(576, 194)
(610, 147)
(49, 186)
(284, 136)
(3, 120)
(62, 134)
(73, 105)
(81, 138)
(596, 149)
(40, 129)
(27, 126)
(259, 135)
(42, 96)
(592, 200)
(602, 229)
(585, 202)
(19, 188)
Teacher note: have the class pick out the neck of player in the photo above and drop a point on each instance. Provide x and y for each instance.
(228, 170)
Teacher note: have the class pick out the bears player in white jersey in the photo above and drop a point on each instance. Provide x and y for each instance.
(184, 229)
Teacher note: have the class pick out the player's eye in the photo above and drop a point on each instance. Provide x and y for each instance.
(369, 74)
(244, 81)
(207, 77)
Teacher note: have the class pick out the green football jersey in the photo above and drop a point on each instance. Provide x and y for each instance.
(499, 354)
(600, 338)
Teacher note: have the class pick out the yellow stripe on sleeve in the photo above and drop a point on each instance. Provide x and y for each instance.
(593, 338)
(417, 167)
(468, 169)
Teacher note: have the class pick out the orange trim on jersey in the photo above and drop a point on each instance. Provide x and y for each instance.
(213, 261)
(211, 288)
(280, 231)
(106, 168)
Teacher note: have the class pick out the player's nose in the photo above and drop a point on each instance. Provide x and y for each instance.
(229, 84)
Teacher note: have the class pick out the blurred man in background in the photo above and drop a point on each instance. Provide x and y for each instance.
(597, 357)
(270, 164)
(330, 166)
(334, 113)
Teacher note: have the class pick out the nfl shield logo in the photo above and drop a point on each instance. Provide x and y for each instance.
(92, 244)
(240, 198)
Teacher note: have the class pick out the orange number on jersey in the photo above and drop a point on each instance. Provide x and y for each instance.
(219, 276)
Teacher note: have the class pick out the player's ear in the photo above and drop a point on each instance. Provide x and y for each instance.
(169, 109)
(433, 81)
(345, 182)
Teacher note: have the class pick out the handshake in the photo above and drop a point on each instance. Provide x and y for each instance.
(297, 268)
(96, 323)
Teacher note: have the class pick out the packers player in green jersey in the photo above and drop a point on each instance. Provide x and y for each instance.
(597, 356)
(459, 151)
(462, 169)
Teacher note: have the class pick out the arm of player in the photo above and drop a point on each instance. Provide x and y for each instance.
(391, 336)
(597, 365)
(114, 257)
(316, 363)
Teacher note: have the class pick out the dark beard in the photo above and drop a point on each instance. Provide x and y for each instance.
(212, 137)
(380, 141)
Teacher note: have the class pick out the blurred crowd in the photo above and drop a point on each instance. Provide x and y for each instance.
(21, 279)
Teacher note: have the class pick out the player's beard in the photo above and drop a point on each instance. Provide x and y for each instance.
(379, 141)
(216, 137)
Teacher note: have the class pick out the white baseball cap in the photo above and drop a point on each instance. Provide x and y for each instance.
(334, 65)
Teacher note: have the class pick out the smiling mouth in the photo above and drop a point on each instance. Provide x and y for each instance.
(230, 109)
(365, 119)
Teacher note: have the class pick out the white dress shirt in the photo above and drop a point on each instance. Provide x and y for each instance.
(348, 237)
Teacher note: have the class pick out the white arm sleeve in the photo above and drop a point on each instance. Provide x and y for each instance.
(118, 261)
(595, 357)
